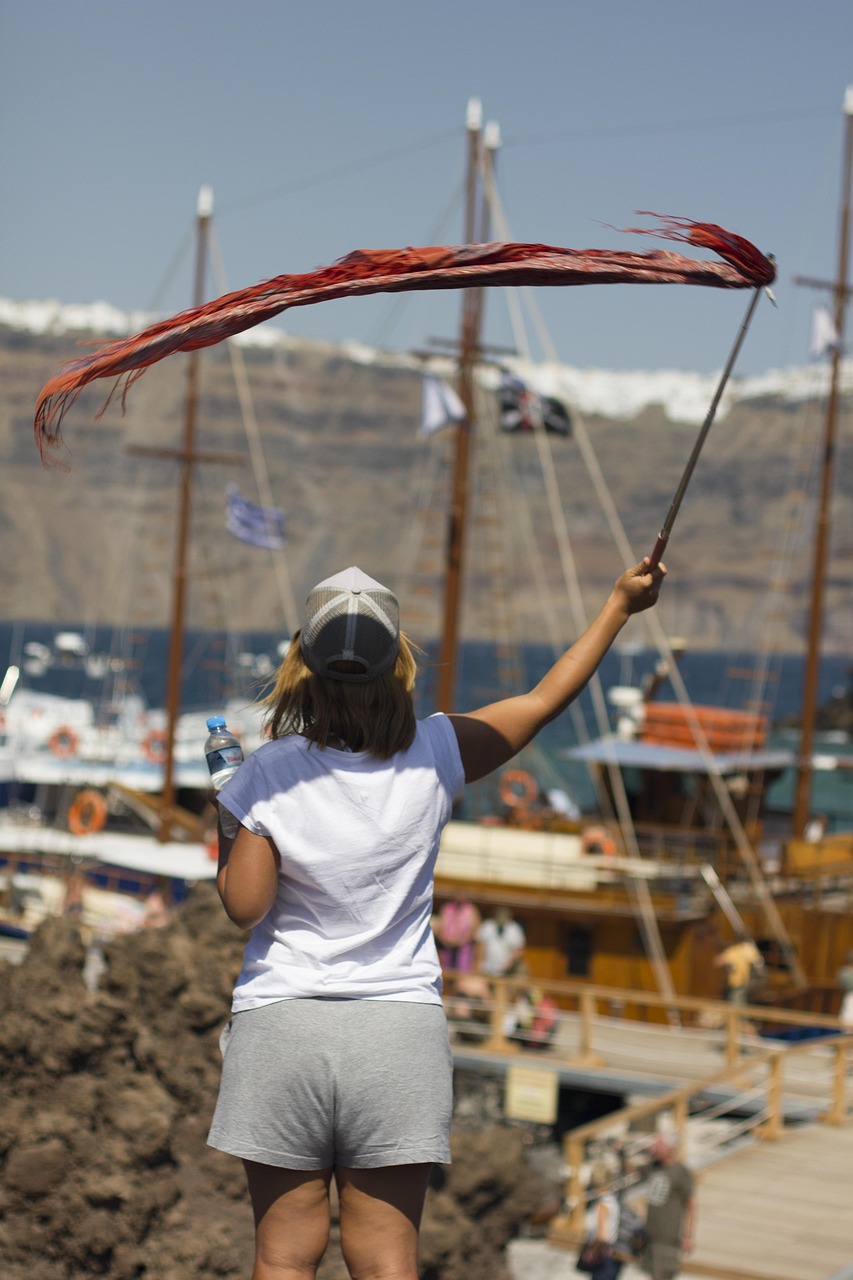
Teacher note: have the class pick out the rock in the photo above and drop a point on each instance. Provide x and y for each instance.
(108, 1095)
(34, 1169)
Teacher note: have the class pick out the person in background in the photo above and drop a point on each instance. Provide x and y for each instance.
(815, 828)
(456, 929)
(532, 1020)
(336, 1061)
(500, 945)
(601, 1224)
(741, 961)
(670, 1212)
(157, 910)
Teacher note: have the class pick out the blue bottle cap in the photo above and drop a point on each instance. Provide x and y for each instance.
(216, 722)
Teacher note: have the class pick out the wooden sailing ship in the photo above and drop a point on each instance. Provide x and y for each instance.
(687, 854)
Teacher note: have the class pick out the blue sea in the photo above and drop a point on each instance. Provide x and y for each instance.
(215, 669)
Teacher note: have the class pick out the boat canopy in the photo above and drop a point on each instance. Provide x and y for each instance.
(632, 754)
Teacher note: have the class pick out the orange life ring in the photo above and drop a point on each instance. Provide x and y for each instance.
(154, 746)
(598, 840)
(64, 742)
(518, 788)
(88, 813)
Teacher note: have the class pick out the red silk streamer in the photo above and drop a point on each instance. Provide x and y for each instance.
(396, 271)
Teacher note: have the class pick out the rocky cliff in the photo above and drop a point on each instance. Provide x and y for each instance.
(107, 1097)
(92, 542)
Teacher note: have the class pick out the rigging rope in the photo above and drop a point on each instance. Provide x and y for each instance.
(744, 848)
(637, 886)
(259, 466)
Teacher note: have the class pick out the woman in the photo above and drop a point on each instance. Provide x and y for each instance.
(336, 1061)
(601, 1225)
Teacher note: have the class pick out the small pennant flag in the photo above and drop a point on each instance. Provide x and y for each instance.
(441, 405)
(824, 333)
(259, 526)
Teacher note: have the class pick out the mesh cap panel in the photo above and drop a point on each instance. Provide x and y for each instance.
(350, 618)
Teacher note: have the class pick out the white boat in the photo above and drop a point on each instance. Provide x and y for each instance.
(109, 792)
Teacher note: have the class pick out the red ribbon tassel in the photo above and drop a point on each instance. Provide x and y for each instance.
(396, 271)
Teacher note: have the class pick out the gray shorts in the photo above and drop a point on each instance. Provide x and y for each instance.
(309, 1084)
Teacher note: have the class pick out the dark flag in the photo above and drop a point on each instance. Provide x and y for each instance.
(523, 409)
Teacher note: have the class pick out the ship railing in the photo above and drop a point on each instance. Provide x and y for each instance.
(684, 848)
(590, 1008)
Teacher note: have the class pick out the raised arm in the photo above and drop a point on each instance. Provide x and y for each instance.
(488, 738)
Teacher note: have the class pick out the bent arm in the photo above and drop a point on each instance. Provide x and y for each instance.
(247, 878)
(488, 738)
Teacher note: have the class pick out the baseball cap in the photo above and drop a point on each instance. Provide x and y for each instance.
(350, 618)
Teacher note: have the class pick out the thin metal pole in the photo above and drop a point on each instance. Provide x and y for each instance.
(187, 457)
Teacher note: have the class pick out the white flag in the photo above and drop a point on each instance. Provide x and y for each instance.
(824, 333)
(441, 405)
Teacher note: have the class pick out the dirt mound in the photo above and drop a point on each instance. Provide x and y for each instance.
(107, 1098)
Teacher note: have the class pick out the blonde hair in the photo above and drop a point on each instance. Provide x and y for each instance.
(377, 716)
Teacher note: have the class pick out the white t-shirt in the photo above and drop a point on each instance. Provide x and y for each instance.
(500, 943)
(358, 839)
(609, 1205)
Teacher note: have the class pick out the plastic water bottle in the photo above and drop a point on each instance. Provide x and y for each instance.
(222, 751)
(224, 756)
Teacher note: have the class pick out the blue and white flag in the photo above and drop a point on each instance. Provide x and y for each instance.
(259, 526)
(441, 405)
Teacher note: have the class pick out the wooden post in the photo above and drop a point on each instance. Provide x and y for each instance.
(837, 1113)
(577, 1198)
(497, 1040)
(588, 1011)
(732, 1036)
(681, 1117)
(773, 1126)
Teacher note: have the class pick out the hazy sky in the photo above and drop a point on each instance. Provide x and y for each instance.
(329, 125)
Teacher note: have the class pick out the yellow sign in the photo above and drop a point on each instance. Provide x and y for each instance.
(531, 1094)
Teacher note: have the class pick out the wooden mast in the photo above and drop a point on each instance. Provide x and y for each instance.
(179, 581)
(802, 798)
(472, 310)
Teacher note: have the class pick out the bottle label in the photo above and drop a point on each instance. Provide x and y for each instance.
(224, 758)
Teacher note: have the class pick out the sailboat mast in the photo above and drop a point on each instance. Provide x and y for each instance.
(457, 517)
(802, 798)
(179, 582)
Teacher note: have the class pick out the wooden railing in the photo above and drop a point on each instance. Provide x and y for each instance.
(585, 999)
(747, 1065)
(567, 1228)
